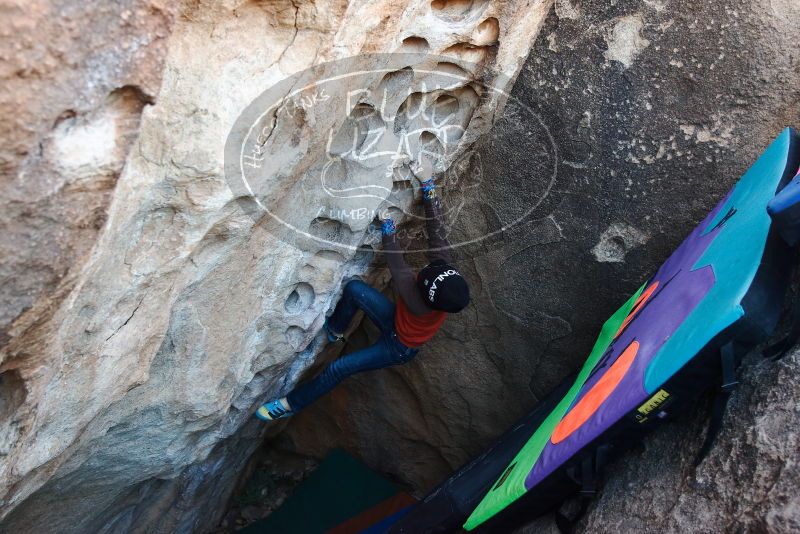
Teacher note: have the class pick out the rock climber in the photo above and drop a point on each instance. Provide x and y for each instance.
(422, 304)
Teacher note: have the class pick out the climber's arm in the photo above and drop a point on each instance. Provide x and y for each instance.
(405, 281)
(437, 233)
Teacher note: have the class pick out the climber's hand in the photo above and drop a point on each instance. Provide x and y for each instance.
(388, 227)
(428, 189)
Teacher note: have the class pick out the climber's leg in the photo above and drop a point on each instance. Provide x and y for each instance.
(385, 352)
(358, 294)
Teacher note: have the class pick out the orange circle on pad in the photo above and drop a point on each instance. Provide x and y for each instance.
(596, 396)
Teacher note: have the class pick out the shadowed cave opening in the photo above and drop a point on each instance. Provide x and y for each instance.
(12, 396)
(12, 393)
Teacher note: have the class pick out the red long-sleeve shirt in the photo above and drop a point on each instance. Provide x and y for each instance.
(415, 322)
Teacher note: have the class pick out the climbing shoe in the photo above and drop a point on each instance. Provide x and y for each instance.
(274, 409)
(333, 337)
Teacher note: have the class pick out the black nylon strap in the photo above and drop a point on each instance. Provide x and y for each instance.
(590, 469)
(779, 349)
(728, 360)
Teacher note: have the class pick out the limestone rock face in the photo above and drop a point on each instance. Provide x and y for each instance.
(656, 109)
(71, 106)
(145, 311)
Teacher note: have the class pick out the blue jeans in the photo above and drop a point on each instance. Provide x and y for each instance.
(385, 352)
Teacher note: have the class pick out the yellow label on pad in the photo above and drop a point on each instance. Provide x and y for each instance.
(653, 402)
